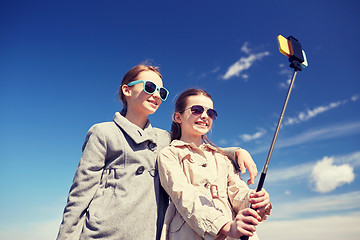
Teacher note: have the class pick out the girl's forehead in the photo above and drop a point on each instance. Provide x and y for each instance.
(151, 76)
(199, 100)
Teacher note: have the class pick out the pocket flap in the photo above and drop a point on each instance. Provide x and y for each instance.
(176, 223)
(187, 157)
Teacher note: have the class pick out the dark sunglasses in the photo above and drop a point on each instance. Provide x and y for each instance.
(150, 88)
(198, 110)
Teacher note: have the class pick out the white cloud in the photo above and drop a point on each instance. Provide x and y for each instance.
(286, 221)
(355, 97)
(288, 73)
(285, 84)
(215, 70)
(242, 64)
(301, 172)
(352, 159)
(245, 76)
(245, 48)
(328, 132)
(222, 142)
(205, 74)
(330, 228)
(326, 176)
(295, 173)
(318, 205)
(257, 135)
(308, 114)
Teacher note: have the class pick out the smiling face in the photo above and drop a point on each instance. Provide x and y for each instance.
(194, 126)
(140, 103)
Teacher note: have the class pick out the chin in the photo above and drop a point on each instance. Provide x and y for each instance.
(152, 110)
(202, 131)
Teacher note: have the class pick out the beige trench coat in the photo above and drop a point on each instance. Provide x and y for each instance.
(205, 190)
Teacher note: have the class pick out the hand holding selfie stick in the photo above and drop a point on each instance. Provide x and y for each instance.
(291, 48)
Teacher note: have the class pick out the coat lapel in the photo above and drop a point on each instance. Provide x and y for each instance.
(136, 133)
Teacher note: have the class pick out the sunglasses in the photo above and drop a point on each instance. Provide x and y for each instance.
(150, 88)
(198, 110)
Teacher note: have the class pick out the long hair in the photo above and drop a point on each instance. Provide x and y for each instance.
(131, 76)
(180, 105)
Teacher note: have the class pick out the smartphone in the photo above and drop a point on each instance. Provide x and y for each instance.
(295, 49)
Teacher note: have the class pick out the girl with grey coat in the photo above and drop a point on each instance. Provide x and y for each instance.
(116, 192)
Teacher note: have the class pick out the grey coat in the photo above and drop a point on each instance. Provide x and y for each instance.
(116, 192)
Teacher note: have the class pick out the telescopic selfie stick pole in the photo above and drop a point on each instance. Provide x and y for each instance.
(291, 48)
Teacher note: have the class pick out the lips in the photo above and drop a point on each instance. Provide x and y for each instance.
(152, 101)
(201, 123)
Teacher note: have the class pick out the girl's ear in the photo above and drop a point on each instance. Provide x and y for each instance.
(176, 117)
(126, 90)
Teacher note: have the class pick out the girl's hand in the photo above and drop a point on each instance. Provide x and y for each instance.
(245, 161)
(261, 202)
(243, 224)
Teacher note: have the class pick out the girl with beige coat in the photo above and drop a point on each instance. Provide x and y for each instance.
(208, 198)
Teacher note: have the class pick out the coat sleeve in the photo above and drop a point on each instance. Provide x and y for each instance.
(238, 191)
(85, 184)
(204, 219)
(230, 153)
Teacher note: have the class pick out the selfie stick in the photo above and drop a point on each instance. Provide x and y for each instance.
(298, 59)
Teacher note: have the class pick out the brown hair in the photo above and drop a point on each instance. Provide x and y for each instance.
(180, 105)
(131, 76)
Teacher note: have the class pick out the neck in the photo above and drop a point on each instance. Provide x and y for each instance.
(136, 119)
(192, 139)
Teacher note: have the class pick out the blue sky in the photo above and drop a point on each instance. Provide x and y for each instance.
(61, 63)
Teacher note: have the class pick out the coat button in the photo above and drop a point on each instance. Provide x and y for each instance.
(140, 170)
(153, 172)
(152, 146)
(204, 165)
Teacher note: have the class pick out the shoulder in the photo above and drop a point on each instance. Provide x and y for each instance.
(103, 127)
(175, 149)
(162, 137)
(167, 150)
(161, 132)
(104, 131)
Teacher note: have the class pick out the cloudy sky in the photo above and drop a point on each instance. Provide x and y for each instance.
(61, 64)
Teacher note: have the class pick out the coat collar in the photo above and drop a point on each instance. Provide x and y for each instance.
(204, 146)
(136, 133)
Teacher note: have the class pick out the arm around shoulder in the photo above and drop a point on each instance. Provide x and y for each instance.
(242, 160)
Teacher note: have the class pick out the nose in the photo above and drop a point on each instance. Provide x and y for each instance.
(156, 93)
(204, 115)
